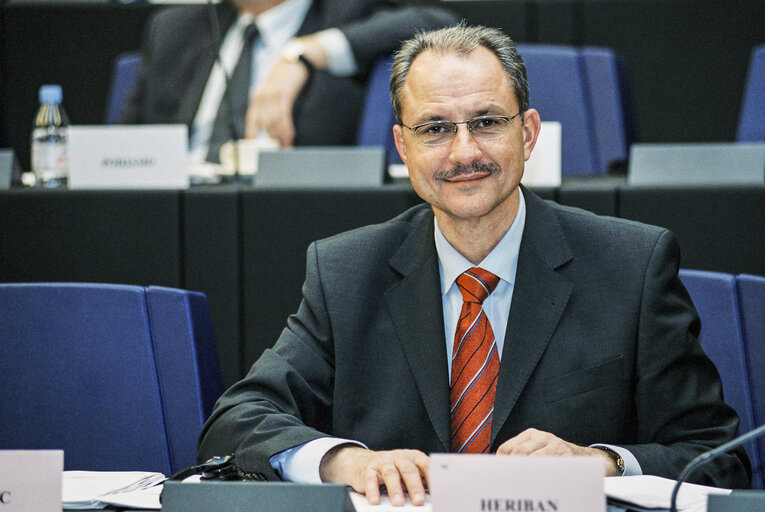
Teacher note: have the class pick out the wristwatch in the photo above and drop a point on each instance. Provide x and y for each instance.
(294, 51)
(618, 460)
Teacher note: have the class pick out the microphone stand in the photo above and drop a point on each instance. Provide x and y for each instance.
(709, 455)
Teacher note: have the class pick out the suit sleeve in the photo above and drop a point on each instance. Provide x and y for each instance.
(678, 394)
(287, 389)
(389, 24)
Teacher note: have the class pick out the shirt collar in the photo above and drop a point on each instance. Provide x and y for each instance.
(502, 261)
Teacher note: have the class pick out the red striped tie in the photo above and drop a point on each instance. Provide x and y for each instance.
(475, 364)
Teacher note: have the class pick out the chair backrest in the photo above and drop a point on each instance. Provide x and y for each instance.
(124, 76)
(377, 120)
(611, 100)
(751, 121)
(716, 300)
(558, 90)
(751, 294)
(120, 377)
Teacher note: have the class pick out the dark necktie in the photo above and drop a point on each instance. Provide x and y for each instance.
(475, 365)
(230, 126)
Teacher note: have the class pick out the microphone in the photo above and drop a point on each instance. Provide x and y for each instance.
(709, 455)
(212, 15)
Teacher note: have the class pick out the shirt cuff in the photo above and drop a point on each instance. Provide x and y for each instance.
(301, 463)
(631, 464)
(340, 59)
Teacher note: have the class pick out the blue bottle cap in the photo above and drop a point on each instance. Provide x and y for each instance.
(50, 94)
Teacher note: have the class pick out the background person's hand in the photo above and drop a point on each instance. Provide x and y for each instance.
(270, 107)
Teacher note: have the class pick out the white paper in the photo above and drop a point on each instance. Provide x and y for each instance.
(650, 491)
(96, 489)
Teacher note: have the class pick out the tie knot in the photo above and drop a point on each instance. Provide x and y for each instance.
(476, 284)
(250, 33)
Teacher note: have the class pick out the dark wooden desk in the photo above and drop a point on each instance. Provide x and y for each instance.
(233, 243)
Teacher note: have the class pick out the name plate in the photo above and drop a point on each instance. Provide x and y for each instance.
(543, 168)
(494, 483)
(134, 157)
(30, 480)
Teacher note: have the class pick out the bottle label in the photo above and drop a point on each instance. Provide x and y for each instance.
(49, 160)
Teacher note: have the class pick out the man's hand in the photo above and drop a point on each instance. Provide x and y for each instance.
(366, 470)
(537, 442)
(271, 104)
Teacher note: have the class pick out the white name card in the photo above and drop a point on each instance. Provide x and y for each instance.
(117, 156)
(496, 483)
(30, 480)
(543, 168)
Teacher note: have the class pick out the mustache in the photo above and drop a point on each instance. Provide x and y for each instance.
(464, 170)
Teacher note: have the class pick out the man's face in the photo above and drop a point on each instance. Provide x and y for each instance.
(466, 178)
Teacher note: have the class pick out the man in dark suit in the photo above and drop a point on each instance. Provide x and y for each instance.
(581, 322)
(299, 95)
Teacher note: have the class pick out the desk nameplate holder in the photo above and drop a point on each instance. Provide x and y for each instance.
(737, 501)
(488, 483)
(254, 497)
(30, 480)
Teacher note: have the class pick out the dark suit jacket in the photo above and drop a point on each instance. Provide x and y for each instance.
(601, 347)
(178, 54)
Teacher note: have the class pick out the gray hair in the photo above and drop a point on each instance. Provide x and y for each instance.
(460, 39)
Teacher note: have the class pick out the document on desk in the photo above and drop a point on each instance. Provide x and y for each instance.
(648, 492)
(98, 489)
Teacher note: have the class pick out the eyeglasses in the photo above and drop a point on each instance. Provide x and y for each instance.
(436, 133)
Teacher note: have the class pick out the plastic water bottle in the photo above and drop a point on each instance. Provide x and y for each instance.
(49, 154)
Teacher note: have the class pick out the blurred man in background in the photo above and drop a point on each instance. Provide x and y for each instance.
(296, 68)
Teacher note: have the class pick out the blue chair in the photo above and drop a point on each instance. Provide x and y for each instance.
(558, 90)
(611, 101)
(377, 120)
(751, 295)
(716, 300)
(120, 377)
(751, 122)
(123, 78)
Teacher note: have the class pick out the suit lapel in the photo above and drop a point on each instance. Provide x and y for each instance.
(540, 296)
(195, 67)
(414, 304)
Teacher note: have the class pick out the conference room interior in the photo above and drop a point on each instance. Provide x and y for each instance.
(685, 64)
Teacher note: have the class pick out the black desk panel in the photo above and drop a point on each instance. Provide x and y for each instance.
(91, 236)
(719, 228)
(237, 245)
(597, 199)
(211, 265)
(277, 227)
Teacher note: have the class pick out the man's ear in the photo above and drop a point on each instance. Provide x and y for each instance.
(532, 123)
(398, 138)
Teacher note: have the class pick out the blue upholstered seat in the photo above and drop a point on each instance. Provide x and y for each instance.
(585, 89)
(751, 296)
(716, 300)
(124, 76)
(751, 121)
(558, 90)
(377, 120)
(119, 377)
